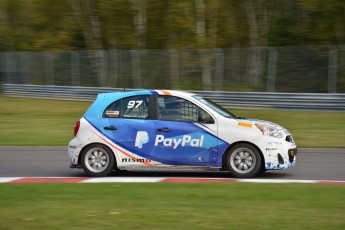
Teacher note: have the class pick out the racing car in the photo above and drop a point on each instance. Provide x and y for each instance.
(175, 130)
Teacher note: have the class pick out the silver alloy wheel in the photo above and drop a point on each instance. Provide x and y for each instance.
(96, 160)
(243, 160)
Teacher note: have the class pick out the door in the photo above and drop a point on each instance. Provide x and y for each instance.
(127, 124)
(181, 139)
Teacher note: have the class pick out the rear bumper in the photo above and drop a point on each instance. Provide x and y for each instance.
(74, 148)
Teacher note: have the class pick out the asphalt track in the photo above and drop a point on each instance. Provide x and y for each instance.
(312, 164)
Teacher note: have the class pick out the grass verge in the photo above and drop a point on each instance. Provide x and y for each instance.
(172, 206)
(50, 122)
(26, 121)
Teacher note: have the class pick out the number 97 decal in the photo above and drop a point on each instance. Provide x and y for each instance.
(134, 104)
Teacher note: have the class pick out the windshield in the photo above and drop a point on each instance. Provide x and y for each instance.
(215, 107)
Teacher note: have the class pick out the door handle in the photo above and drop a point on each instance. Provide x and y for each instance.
(110, 128)
(165, 130)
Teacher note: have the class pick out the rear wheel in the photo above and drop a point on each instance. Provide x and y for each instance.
(243, 161)
(97, 160)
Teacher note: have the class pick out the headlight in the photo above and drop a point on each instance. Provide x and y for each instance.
(269, 130)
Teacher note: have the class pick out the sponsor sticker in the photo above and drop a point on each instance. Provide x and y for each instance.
(136, 160)
(186, 140)
(275, 143)
(111, 113)
(271, 149)
(141, 138)
(245, 124)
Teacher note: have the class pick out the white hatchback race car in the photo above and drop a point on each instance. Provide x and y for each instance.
(167, 129)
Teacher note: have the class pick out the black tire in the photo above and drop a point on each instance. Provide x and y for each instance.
(97, 160)
(243, 161)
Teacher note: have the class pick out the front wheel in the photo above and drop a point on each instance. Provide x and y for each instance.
(97, 160)
(243, 161)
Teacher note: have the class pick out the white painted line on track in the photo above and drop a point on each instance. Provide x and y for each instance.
(156, 179)
(123, 180)
(277, 181)
(9, 179)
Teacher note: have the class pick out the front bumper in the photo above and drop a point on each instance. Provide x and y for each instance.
(280, 155)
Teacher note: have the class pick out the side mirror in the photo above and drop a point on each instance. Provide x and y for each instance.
(205, 118)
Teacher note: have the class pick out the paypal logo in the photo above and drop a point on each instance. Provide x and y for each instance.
(176, 142)
(142, 138)
(185, 140)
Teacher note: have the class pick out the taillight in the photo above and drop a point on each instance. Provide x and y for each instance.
(76, 128)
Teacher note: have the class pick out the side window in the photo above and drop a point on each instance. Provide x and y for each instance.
(178, 109)
(130, 107)
(135, 107)
(113, 110)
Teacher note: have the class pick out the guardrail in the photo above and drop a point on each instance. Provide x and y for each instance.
(242, 100)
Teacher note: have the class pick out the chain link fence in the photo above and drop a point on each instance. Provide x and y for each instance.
(318, 69)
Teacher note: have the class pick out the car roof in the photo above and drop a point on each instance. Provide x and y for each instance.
(104, 99)
(115, 95)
